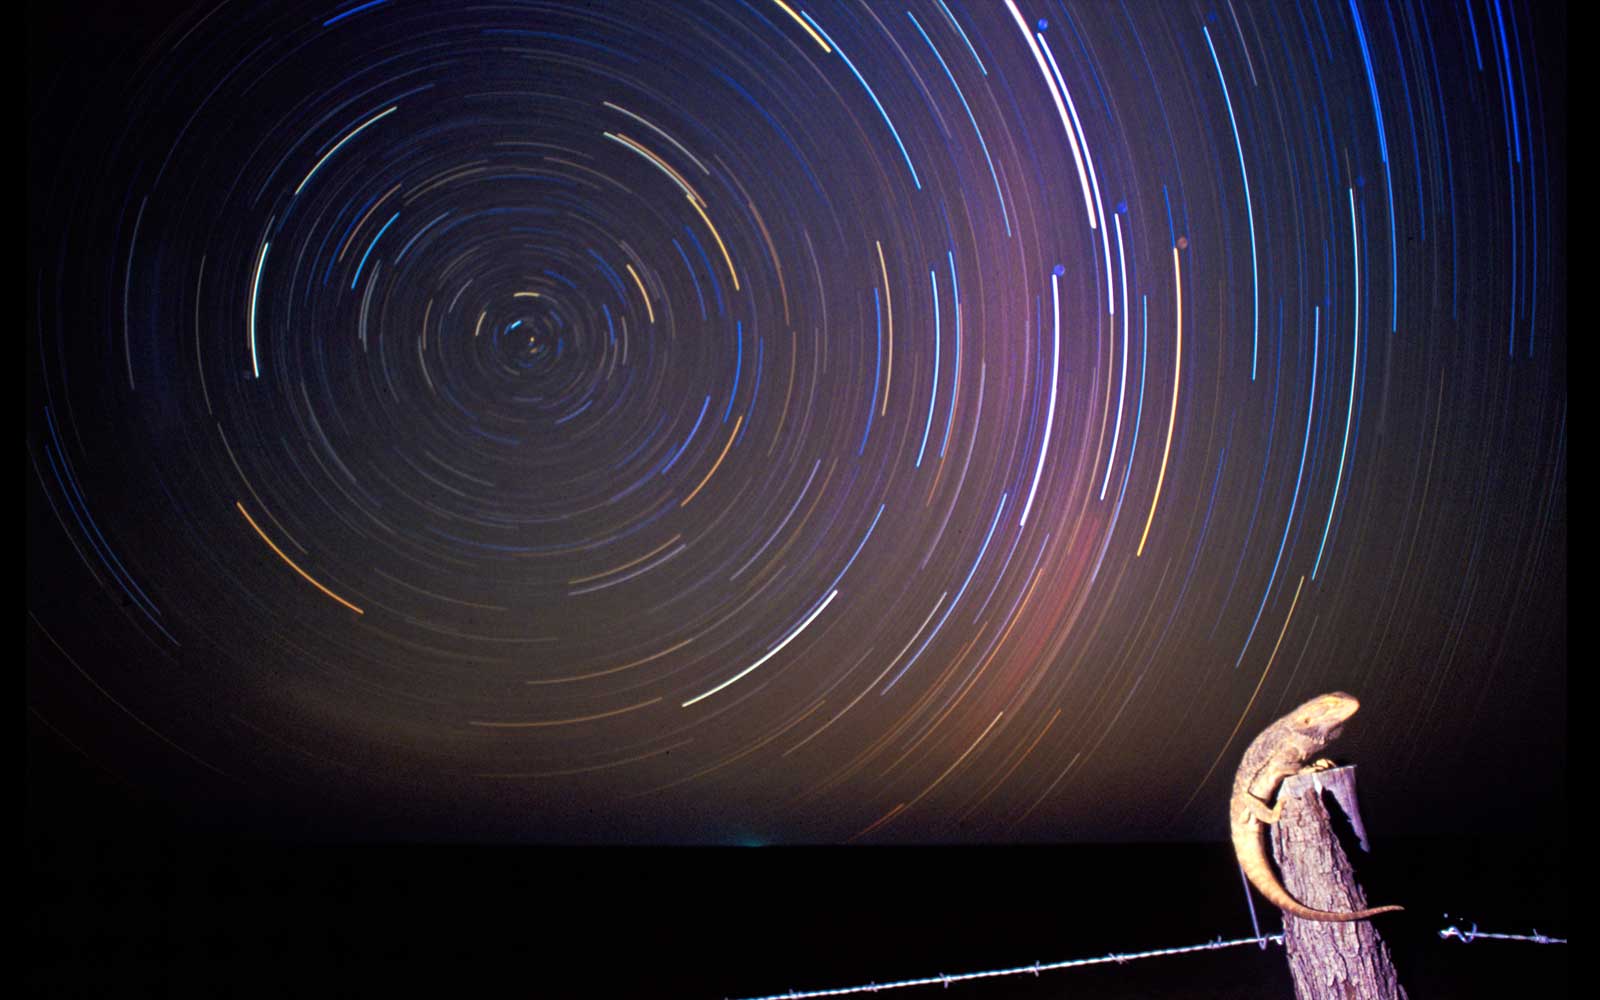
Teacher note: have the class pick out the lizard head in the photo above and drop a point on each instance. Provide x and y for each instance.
(1326, 713)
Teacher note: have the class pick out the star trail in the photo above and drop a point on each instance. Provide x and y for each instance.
(816, 422)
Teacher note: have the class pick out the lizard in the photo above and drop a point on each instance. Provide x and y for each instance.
(1282, 750)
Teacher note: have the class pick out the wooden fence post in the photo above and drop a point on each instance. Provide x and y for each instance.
(1329, 961)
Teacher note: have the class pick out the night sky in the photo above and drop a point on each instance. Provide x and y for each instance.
(463, 434)
(776, 423)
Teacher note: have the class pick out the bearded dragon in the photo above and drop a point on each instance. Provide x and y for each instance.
(1280, 751)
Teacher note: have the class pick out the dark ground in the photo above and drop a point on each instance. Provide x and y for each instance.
(121, 900)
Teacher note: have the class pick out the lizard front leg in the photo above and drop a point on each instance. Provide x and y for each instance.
(1263, 788)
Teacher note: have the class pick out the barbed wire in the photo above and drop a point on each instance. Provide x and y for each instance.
(945, 979)
(1035, 969)
(1470, 936)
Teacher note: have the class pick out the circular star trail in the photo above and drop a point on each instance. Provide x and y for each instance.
(774, 422)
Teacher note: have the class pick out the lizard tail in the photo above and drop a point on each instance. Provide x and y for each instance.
(1306, 913)
(1279, 897)
(1253, 861)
